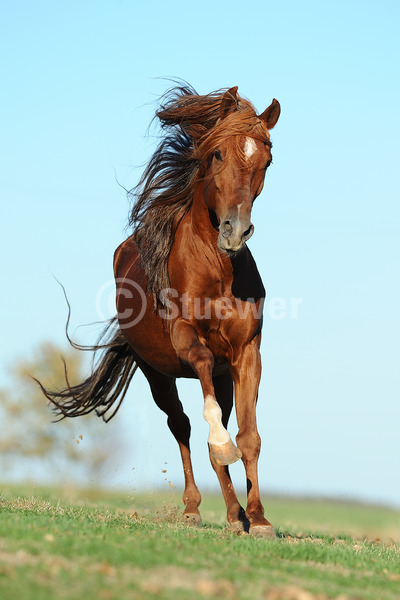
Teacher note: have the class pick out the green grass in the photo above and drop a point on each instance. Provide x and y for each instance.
(73, 544)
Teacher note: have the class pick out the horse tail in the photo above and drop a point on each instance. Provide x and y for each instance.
(107, 384)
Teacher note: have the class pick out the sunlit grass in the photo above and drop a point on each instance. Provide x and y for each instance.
(94, 544)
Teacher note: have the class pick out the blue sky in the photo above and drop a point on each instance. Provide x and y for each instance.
(79, 87)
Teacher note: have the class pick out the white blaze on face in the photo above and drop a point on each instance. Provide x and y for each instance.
(250, 147)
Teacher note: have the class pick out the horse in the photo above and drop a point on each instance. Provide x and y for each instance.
(189, 296)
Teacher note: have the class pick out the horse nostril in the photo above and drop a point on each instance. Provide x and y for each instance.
(248, 232)
(226, 229)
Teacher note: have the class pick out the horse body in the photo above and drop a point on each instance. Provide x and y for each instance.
(206, 321)
(218, 279)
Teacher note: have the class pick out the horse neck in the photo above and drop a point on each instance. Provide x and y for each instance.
(201, 227)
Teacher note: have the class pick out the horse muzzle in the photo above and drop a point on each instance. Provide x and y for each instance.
(233, 233)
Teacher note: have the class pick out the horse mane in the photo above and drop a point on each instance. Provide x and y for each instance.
(192, 131)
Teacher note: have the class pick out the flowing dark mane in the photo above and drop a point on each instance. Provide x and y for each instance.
(163, 196)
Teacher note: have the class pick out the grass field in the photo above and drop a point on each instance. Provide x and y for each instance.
(92, 545)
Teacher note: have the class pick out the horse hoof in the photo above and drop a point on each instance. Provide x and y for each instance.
(224, 454)
(191, 519)
(236, 527)
(262, 531)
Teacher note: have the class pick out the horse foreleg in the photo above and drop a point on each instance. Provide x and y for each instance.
(166, 397)
(235, 514)
(191, 351)
(246, 372)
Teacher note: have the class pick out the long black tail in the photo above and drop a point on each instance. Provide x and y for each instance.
(108, 383)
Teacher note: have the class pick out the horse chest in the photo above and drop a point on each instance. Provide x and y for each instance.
(231, 324)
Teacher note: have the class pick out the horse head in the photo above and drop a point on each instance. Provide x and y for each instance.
(235, 167)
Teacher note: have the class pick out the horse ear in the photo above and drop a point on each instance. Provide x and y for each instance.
(229, 102)
(271, 114)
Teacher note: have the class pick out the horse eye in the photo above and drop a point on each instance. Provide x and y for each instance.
(217, 155)
(267, 165)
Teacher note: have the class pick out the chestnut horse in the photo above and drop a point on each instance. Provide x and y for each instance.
(189, 295)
